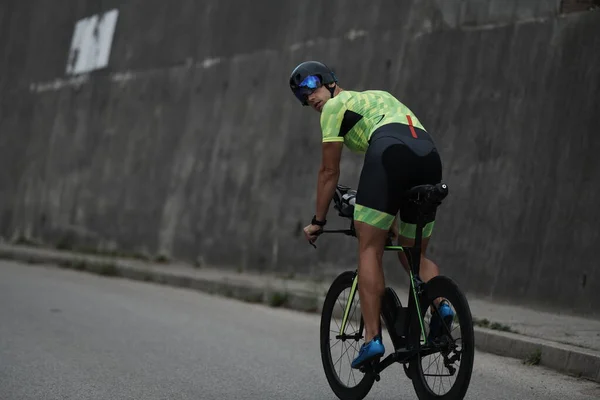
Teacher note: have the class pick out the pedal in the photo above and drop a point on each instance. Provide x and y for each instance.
(369, 369)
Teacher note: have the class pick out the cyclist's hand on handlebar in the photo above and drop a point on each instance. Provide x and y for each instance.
(311, 232)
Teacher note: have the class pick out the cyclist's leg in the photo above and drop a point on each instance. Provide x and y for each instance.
(428, 269)
(371, 280)
(371, 284)
(372, 219)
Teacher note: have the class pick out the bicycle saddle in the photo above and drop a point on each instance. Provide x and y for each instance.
(427, 194)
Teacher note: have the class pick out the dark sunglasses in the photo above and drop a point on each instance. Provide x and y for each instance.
(307, 87)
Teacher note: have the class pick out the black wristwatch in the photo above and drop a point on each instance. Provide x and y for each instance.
(316, 222)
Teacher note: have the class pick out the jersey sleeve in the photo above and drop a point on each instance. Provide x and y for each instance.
(331, 120)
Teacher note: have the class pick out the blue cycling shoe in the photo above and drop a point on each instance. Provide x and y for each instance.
(368, 352)
(435, 324)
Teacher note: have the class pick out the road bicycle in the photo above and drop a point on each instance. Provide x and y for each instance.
(448, 352)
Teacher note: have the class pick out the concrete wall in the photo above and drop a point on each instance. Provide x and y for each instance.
(189, 143)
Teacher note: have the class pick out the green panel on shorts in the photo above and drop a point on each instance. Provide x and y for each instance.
(373, 217)
(410, 230)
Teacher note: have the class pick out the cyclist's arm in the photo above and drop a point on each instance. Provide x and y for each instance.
(329, 174)
(331, 120)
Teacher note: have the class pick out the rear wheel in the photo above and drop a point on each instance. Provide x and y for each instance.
(338, 351)
(444, 366)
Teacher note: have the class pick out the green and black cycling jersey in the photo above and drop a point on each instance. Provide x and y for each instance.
(352, 117)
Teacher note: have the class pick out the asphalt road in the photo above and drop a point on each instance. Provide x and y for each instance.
(71, 335)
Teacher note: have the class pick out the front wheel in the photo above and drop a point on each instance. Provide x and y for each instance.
(443, 368)
(338, 349)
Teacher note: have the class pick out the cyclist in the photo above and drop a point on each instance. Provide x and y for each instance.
(398, 154)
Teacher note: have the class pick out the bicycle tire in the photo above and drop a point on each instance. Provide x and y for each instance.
(441, 286)
(359, 391)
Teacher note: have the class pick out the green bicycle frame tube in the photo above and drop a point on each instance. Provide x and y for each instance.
(412, 282)
(353, 293)
(349, 303)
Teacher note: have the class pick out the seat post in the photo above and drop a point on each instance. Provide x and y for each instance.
(414, 258)
(427, 198)
(415, 251)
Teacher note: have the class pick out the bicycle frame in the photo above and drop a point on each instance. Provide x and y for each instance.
(413, 291)
(414, 316)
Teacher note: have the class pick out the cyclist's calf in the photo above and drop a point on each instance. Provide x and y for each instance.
(428, 269)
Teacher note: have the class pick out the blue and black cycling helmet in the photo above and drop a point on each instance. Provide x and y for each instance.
(309, 76)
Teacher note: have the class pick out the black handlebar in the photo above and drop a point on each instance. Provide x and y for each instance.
(348, 232)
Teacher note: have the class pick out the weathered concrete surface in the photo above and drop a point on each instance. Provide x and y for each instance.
(190, 143)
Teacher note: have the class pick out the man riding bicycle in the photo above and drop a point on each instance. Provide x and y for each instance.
(399, 154)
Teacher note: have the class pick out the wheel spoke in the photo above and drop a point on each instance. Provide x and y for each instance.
(345, 353)
(441, 378)
(336, 323)
(437, 373)
(339, 359)
(430, 362)
(349, 362)
(342, 355)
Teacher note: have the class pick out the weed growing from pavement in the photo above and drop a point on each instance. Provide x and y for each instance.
(278, 299)
(148, 277)
(26, 241)
(501, 327)
(485, 323)
(109, 269)
(104, 269)
(162, 259)
(534, 358)
(78, 265)
(253, 298)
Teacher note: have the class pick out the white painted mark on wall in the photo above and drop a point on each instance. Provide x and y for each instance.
(91, 43)
(354, 34)
(208, 62)
(123, 76)
(58, 84)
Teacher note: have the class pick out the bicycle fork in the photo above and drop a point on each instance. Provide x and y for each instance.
(349, 304)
